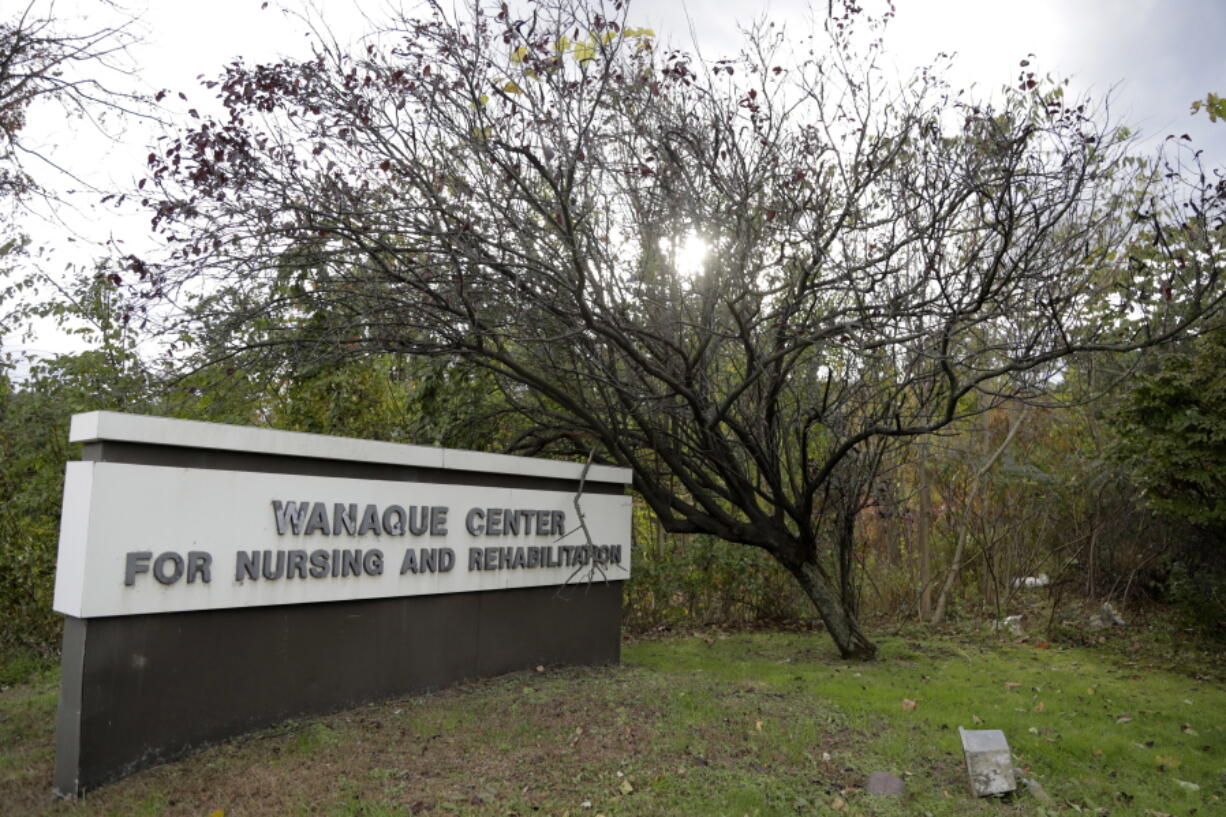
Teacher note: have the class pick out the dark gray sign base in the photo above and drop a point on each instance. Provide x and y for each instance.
(139, 690)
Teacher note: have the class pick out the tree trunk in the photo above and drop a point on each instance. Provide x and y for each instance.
(840, 622)
(923, 539)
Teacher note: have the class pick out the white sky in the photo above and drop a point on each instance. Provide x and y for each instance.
(1154, 57)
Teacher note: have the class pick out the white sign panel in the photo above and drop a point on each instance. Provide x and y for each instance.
(151, 539)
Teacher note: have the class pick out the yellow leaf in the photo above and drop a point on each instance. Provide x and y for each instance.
(1171, 762)
(484, 98)
(758, 726)
(909, 705)
(511, 88)
(221, 812)
(517, 56)
(626, 787)
(1040, 707)
(562, 45)
(584, 51)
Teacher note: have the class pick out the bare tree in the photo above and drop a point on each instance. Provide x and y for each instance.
(525, 192)
(43, 59)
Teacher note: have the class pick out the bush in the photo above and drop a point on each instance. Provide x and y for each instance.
(699, 580)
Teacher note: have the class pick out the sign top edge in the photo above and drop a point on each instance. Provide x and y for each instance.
(102, 426)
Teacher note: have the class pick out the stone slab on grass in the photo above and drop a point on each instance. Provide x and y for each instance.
(886, 785)
(988, 761)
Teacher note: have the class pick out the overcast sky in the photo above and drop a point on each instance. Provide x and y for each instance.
(1153, 58)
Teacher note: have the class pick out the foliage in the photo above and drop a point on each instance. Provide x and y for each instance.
(34, 446)
(514, 192)
(1213, 105)
(412, 400)
(30, 469)
(1195, 582)
(1172, 441)
(694, 580)
(34, 418)
(1055, 504)
(1173, 432)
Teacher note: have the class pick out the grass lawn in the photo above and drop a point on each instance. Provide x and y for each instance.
(741, 724)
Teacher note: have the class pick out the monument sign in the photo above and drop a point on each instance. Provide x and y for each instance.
(215, 579)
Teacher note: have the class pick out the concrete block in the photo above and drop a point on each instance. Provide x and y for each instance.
(988, 761)
(885, 785)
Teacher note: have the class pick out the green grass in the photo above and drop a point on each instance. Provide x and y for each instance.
(18, 666)
(1094, 732)
(756, 724)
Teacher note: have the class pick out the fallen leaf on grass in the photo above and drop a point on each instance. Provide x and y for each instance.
(909, 705)
(1040, 707)
(1011, 685)
(758, 725)
(1169, 762)
(221, 812)
(1123, 718)
(838, 804)
(1186, 786)
(976, 719)
(626, 787)
(1153, 813)
(1043, 645)
(1188, 730)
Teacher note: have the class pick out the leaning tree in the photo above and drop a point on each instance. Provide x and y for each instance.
(526, 192)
